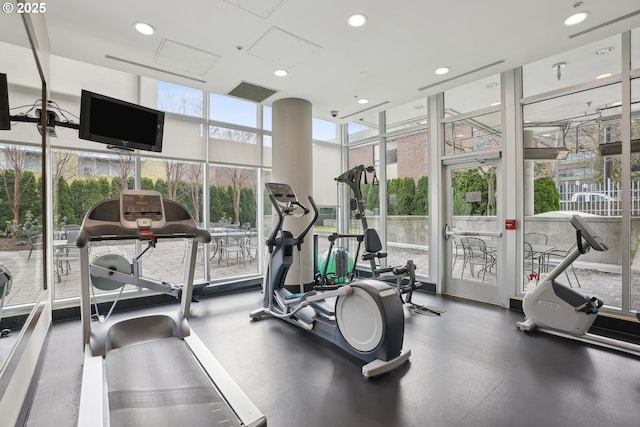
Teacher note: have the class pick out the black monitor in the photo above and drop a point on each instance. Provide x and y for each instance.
(5, 118)
(120, 123)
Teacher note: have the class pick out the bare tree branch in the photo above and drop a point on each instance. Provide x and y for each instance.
(238, 177)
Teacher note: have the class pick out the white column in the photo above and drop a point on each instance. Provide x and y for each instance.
(292, 162)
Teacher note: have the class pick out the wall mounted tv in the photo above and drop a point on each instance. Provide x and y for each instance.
(119, 123)
(5, 118)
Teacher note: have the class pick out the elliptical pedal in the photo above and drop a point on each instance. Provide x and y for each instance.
(426, 310)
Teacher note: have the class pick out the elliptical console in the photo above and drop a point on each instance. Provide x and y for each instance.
(365, 318)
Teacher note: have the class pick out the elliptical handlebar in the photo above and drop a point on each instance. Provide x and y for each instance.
(301, 236)
(286, 203)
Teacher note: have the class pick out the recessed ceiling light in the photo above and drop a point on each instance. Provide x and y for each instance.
(280, 73)
(363, 101)
(357, 20)
(603, 51)
(495, 104)
(144, 28)
(604, 76)
(576, 18)
(442, 70)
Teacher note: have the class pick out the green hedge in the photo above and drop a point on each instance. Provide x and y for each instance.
(73, 200)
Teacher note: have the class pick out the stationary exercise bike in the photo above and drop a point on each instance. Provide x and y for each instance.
(364, 318)
(556, 308)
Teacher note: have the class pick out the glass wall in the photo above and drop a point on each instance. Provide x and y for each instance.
(233, 222)
(407, 186)
(634, 289)
(364, 155)
(395, 158)
(21, 198)
(477, 133)
(574, 164)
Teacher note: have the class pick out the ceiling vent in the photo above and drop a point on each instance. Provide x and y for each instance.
(484, 67)
(251, 92)
(362, 111)
(604, 24)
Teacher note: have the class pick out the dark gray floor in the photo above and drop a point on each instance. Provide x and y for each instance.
(469, 367)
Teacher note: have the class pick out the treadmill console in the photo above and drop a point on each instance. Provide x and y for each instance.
(141, 210)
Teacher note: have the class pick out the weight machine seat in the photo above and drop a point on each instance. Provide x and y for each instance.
(160, 382)
(372, 245)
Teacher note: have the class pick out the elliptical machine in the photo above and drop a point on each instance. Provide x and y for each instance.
(364, 318)
(558, 309)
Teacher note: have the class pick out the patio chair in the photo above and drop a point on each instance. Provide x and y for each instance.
(556, 256)
(35, 240)
(66, 253)
(457, 249)
(476, 254)
(231, 244)
(187, 244)
(66, 228)
(530, 262)
(250, 244)
(535, 240)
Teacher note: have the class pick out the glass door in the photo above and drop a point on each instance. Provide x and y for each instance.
(472, 231)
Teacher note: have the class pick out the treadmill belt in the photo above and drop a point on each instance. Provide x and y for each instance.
(160, 383)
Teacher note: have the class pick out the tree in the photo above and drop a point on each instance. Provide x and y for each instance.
(422, 196)
(469, 181)
(62, 165)
(146, 183)
(17, 157)
(116, 186)
(406, 195)
(239, 178)
(124, 166)
(192, 187)
(65, 210)
(546, 196)
(392, 197)
(247, 206)
(174, 172)
(161, 186)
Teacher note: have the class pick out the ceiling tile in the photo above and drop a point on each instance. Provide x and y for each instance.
(185, 58)
(282, 48)
(261, 8)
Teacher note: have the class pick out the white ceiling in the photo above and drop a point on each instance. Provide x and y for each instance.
(216, 44)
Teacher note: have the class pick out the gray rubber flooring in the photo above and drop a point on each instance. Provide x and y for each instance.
(469, 367)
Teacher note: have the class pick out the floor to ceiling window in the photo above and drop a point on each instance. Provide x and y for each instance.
(236, 151)
(574, 163)
(407, 182)
(363, 150)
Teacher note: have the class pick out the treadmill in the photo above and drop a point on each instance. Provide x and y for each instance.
(151, 370)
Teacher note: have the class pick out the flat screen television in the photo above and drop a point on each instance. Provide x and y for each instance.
(119, 123)
(5, 118)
